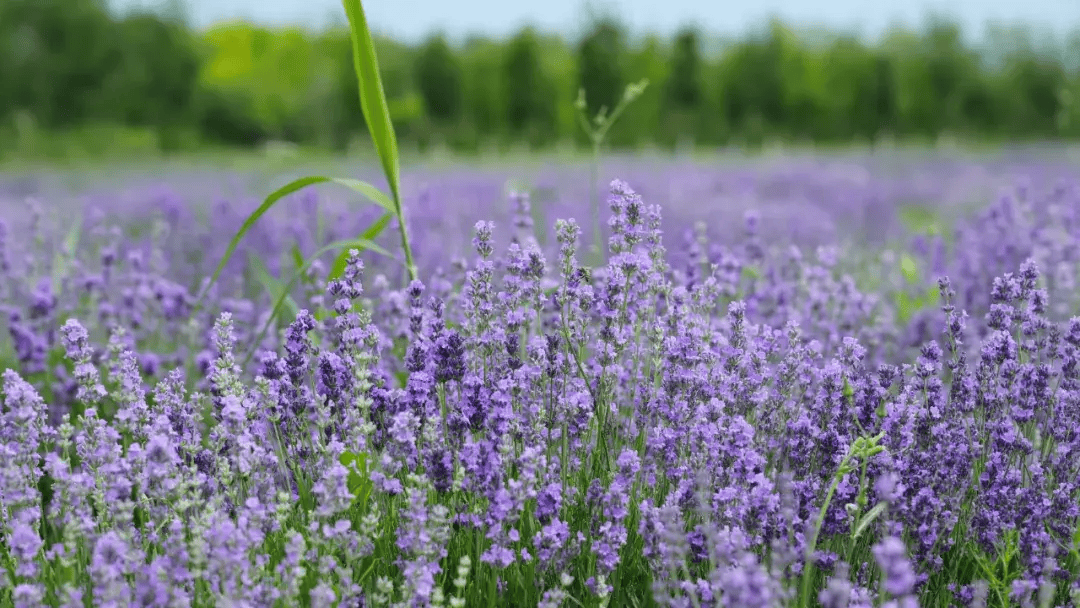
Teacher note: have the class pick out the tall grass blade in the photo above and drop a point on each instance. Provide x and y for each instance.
(377, 115)
(271, 285)
(373, 231)
(372, 97)
(297, 256)
(63, 258)
(369, 191)
(868, 519)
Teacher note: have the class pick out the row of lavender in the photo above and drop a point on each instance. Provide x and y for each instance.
(138, 254)
(726, 423)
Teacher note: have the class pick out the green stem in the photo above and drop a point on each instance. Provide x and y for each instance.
(811, 543)
(410, 266)
(861, 502)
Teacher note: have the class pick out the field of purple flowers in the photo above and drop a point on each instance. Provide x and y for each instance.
(844, 382)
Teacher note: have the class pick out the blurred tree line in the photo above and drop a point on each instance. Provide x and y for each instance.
(67, 63)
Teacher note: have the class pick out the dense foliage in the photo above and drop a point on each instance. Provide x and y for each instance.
(728, 421)
(67, 64)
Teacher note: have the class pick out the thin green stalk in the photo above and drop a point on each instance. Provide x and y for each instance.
(862, 449)
(410, 265)
(596, 129)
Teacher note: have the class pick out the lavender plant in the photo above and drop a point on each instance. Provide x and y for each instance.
(535, 431)
(726, 427)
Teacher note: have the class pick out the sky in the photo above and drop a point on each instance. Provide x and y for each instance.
(413, 19)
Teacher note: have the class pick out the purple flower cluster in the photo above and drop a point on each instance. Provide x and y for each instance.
(734, 425)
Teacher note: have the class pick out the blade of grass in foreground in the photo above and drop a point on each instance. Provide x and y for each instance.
(369, 191)
(372, 232)
(65, 255)
(271, 285)
(377, 115)
(372, 98)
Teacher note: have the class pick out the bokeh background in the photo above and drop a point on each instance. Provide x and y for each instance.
(91, 79)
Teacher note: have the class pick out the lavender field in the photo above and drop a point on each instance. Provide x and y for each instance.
(801, 381)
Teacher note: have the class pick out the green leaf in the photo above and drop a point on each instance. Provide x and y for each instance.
(66, 253)
(338, 268)
(297, 256)
(909, 268)
(270, 284)
(905, 307)
(371, 192)
(347, 244)
(359, 482)
(931, 297)
(869, 518)
(372, 98)
(373, 231)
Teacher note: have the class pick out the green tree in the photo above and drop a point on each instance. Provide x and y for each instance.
(59, 53)
(645, 120)
(934, 69)
(155, 76)
(684, 83)
(882, 96)
(521, 81)
(947, 66)
(342, 102)
(1039, 82)
(69, 63)
(484, 110)
(860, 91)
(751, 87)
(600, 67)
(682, 90)
(803, 87)
(438, 76)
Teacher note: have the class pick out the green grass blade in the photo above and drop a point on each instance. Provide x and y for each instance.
(66, 254)
(270, 283)
(909, 268)
(377, 116)
(372, 97)
(868, 519)
(297, 256)
(371, 192)
(284, 293)
(373, 231)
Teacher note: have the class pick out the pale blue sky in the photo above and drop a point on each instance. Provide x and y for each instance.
(412, 19)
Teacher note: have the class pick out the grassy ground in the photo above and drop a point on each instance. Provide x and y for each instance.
(116, 149)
